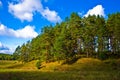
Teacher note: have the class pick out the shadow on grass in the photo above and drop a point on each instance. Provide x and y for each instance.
(68, 75)
(16, 66)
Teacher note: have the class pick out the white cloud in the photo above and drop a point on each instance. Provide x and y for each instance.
(10, 51)
(25, 9)
(48, 1)
(0, 44)
(51, 15)
(97, 10)
(81, 13)
(45, 0)
(5, 49)
(26, 32)
(0, 3)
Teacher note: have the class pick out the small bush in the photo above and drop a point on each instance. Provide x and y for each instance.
(38, 64)
(102, 56)
(71, 60)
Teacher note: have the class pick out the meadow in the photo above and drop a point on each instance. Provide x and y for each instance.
(82, 69)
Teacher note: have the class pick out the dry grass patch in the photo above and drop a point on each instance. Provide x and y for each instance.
(52, 66)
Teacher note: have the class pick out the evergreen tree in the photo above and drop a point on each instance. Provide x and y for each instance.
(92, 36)
(17, 53)
(113, 26)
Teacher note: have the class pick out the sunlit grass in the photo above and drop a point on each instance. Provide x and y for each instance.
(83, 69)
(7, 64)
(50, 66)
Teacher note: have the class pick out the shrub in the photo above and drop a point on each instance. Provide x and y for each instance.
(38, 64)
(71, 60)
(103, 56)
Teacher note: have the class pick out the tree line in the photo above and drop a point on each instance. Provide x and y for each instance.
(92, 36)
(4, 56)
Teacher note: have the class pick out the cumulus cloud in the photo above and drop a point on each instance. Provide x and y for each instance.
(97, 10)
(0, 3)
(25, 10)
(26, 32)
(50, 15)
(48, 1)
(5, 49)
(45, 0)
(0, 44)
(81, 13)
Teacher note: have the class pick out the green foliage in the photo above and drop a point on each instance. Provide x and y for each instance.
(103, 56)
(6, 56)
(91, 36)
(71, 60)
(17, 53)
(38, 64)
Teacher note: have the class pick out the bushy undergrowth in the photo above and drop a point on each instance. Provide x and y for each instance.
(38, 64)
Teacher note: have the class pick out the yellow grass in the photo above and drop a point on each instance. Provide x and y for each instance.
(50, 66)
(83, 69)
(80, 65)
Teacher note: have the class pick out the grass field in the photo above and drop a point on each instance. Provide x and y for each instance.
(83, 69)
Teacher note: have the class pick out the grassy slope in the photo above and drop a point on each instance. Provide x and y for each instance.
(83, 69)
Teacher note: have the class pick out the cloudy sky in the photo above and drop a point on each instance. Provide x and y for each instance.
(22, 20)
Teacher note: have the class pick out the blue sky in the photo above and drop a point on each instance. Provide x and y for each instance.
(22, 20)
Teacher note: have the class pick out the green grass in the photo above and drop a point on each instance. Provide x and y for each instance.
(67, 75)
(83, 69)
